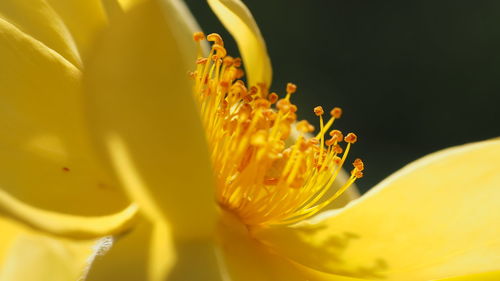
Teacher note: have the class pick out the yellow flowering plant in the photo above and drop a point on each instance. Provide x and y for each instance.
(114, 149)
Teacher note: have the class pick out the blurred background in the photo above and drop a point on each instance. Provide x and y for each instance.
(412, 77)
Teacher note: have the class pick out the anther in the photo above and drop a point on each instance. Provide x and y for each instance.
(239, 72)
(358, 164)
(198, 36)
(330, 142)
(228, 61)
(358, 174)
(336, 135)
(337, 149)
(237, 62)
(273, 98)
(216, 38)
(271, 181)
(351, 138)
(318, 110)
(283, 104)
(291, 88)
(313, 141)
(221, 52)
(336, 112)
(337, 160)
(201, 61)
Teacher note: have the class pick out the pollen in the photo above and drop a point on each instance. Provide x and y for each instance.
(263, 175)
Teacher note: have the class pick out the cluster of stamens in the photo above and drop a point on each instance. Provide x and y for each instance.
(259, 178)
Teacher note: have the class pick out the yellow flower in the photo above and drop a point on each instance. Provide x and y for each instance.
(121, 66)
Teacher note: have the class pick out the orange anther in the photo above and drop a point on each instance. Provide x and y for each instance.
(220, 50)
(336, 112)
(271, 181)
(313, 141)
(318, 110)
(291, 88)
(358, 164)
(337, 149)
(273, 97)
(336, 135)
(330, 142)
(291, 116)
(262, 103)
(239, 73)
(198, 36)
(358, 174)
(237, 62)
(263, 89)
(337, 160)
(283, 104)
(201, 61)
(216, 38)
(228, 61)
(351, 138)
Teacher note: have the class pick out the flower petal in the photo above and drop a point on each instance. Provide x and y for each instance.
(143, 114)
(133, 257)
(484, 276)
(246, 259)
(78, 227)
(83, 20)
(47, 160)
(434, 218)
(240, 23)
(27, 255)
(37, 19)
(148, 252)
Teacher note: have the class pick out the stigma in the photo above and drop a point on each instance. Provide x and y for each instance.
(260, 178)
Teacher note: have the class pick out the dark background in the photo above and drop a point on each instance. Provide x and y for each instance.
(412, 77)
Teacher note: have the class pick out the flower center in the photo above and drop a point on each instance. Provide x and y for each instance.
(259, 177)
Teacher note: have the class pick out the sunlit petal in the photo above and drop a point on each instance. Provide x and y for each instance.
(145, 253)
(432, 219)
(27, 255)
(46, 157)
(37, 19)
(484, 276)
(246, 259)
(240, 23)
(68, 225)
(142, 110)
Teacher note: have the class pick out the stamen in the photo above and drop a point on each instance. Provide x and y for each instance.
(259, 178)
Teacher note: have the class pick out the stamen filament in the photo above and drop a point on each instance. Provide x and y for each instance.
(258, 177)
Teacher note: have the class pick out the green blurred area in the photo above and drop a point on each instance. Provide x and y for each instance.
(412, 77)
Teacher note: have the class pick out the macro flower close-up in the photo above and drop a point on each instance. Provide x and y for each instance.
(137, 147)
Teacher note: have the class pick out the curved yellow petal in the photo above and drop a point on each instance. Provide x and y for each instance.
(240, 23)
(245, 259)
(47, 160)
(37, 19)
(144, 118)
(483, 276)
(82, 19)
(27, 255)
(145, 253)
(78, 227)
(149, 252)
(433, 219)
